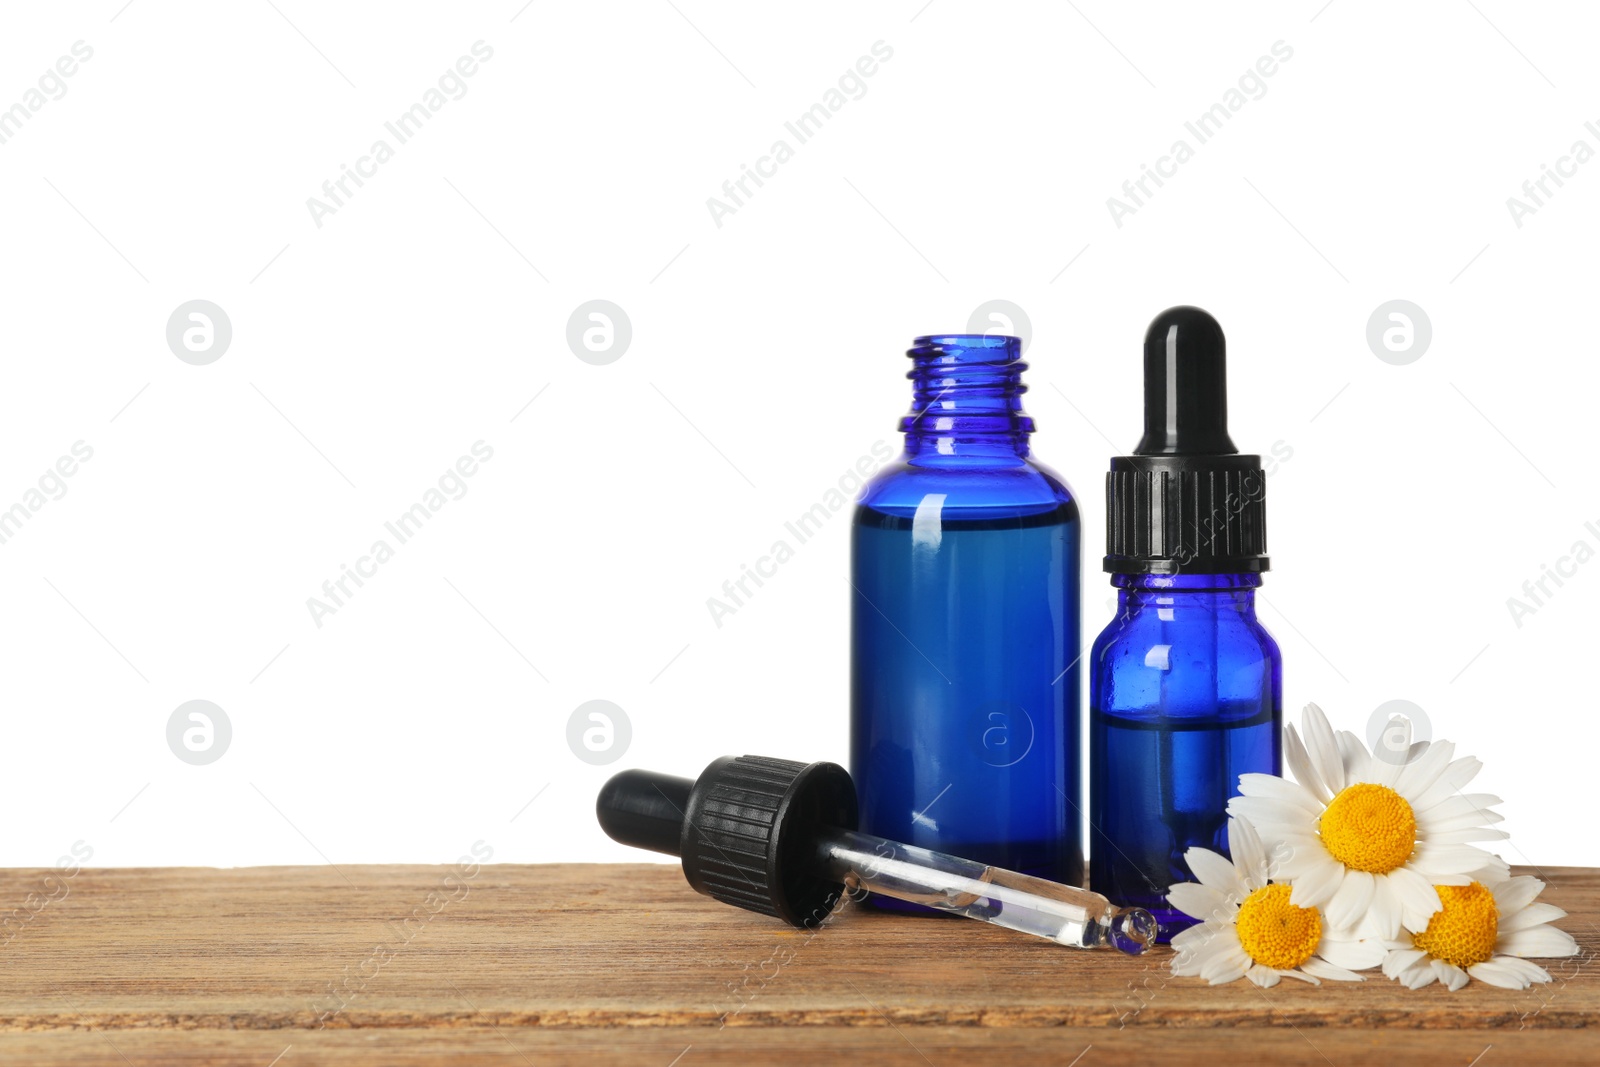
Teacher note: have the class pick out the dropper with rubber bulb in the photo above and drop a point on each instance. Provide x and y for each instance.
(779, 837)
(1186, 684)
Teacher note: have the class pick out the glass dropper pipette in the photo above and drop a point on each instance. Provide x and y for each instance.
(777, 837)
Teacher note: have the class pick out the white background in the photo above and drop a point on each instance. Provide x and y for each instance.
(372, 351)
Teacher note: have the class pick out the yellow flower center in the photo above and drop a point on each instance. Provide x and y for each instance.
(1369, 828)
(1276, 933)
(1463, 931)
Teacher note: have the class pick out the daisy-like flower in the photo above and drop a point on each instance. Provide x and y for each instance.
(1367, 839)
(1250, 929)
(1483, 931)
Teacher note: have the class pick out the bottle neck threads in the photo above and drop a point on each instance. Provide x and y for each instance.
(966, 401)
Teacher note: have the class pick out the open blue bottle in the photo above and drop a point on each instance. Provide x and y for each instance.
(1186, 685)
(964, 626)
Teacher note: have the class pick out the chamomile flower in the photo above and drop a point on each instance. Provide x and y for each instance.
(1365, 839)
(1483, 931)
(1250, 929)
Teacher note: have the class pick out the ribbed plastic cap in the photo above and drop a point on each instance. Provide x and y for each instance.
(747, 830)
(1186, 501)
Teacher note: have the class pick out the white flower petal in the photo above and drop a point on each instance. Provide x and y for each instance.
(1198, 937)
(1322, 749)
(1449, 974)
(1383, 772)
(1444, 831)
(1460, 772)
(1353, 756)
(1450, 784)
(1317, 885)
(1542, 941)
(1265, 977)
(1283, 846)
(1432, 797)
(1494, 871)
(1498, 974)
(1212, 941)
(1401, 960)
(1447, 812)
(1229, 976)
(1418, 975)
(1227, 966)
(1429, 829)
(1351, 955)
(1294, 755)
(1530, 972)
(1296, 863)
(1533, 915)
(1202, 902)
(1184, 966)
(1215, 871)
(1323, 969)
(1464, 837)
(1431, 859)
(1188, 966)
(1249, 857)
(1514, 894)
(1207, 937)
(1424, 770)
(1271, 818)
(1304, 975)
(1417, 898)
(1384, 915)
(1354, 896)
(1280, 789)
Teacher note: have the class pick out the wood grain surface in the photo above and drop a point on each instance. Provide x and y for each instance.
(604, 964)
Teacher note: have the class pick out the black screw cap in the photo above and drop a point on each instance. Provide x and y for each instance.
(746, 829)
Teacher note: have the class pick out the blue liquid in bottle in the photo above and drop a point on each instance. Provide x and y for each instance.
(964, 627)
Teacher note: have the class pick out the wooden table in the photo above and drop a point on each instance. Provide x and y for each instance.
(518, 965)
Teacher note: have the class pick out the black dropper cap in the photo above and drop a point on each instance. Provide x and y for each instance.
(747, 829)
(1186, 501)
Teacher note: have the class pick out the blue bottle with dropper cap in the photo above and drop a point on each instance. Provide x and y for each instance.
(1186, 685)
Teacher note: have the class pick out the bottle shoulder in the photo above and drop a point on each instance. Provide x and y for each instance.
(1232, 636)
(1024, 485)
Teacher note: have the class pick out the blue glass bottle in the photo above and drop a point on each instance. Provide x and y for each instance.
(1186, 685)
(964, 626)
(1185, 695)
